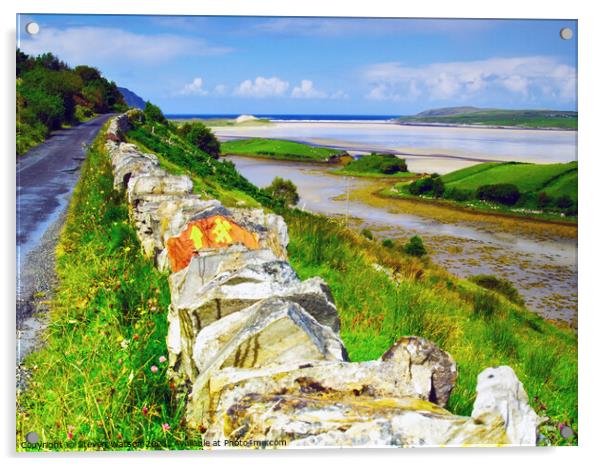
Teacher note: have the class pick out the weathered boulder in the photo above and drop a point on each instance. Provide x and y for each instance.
(157, 184)
(408, 370)
(271, 332)
(118, 126)
(334, 421)
(219, 227)
(501, 395)
(153, 215)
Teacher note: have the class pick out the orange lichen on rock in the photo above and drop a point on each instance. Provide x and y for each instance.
(212, 232)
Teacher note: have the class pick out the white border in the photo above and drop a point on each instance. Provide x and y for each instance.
(590, 157)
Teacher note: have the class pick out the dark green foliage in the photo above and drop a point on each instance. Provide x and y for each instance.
(200, 136)
(284, 190)
(367, 234)
(457, 194)
(415, 247)
(500, 285)
(431, 185)
(49, 94)
(387, 164)
(543, 200)
(154, 113)
(564, 202)
(189, 157)
(388, 243)
(504, 193)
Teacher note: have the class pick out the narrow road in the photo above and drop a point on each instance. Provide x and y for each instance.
(46, 176)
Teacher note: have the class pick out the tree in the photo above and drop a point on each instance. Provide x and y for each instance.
(284, 190)
(200, 136)
(415, 247)
(154, 113)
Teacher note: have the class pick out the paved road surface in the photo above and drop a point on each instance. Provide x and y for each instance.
(46, 176)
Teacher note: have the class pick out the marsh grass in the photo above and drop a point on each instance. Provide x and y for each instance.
(92, 380)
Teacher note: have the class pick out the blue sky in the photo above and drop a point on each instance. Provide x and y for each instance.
(319, 65)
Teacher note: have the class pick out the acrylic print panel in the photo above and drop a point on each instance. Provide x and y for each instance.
(269, 232)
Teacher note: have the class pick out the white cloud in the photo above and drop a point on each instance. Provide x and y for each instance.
(262, 87)
(220, 89)
(195, 87)
(306, 90)
(339, 95)
(523, 77)
(99, 45)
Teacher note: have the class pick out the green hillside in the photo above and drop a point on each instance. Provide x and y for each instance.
(51, 94)
(278, 149)
(555, 179)
(558, 119)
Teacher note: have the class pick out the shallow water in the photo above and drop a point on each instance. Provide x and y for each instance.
(490, 144)
(543, 269)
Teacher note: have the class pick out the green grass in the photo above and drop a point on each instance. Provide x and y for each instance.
(520, 118)
(478, 328)
(376, 165)
(108, 325)
(528, 177)
(278, 149)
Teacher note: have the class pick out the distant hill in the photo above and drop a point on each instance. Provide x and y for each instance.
(491, 117)
(448, 111)
(131, 98)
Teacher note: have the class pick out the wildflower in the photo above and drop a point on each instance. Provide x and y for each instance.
(154, 369)
(166, 427)
(135, 337)
(69, 435)
(145, 410)
(162, 359)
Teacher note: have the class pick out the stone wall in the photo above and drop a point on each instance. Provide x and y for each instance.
(257, 352)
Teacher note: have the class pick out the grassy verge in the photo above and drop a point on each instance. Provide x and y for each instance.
(95, 379)
(279, 150)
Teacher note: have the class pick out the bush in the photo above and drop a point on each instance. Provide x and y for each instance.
(284, 190)
(415, 247)
(503, 193)
(457, 194)
(387, 243)
(500, 285)
(154, 113)
(543, 200)
(82, 113)
(432, 185)
(564, 202)
(367, 234)
(200, 136)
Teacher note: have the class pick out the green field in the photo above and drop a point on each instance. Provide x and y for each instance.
(377, 165)
(278, 149)
(520, 118)
(555, 179)
(92, 379)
